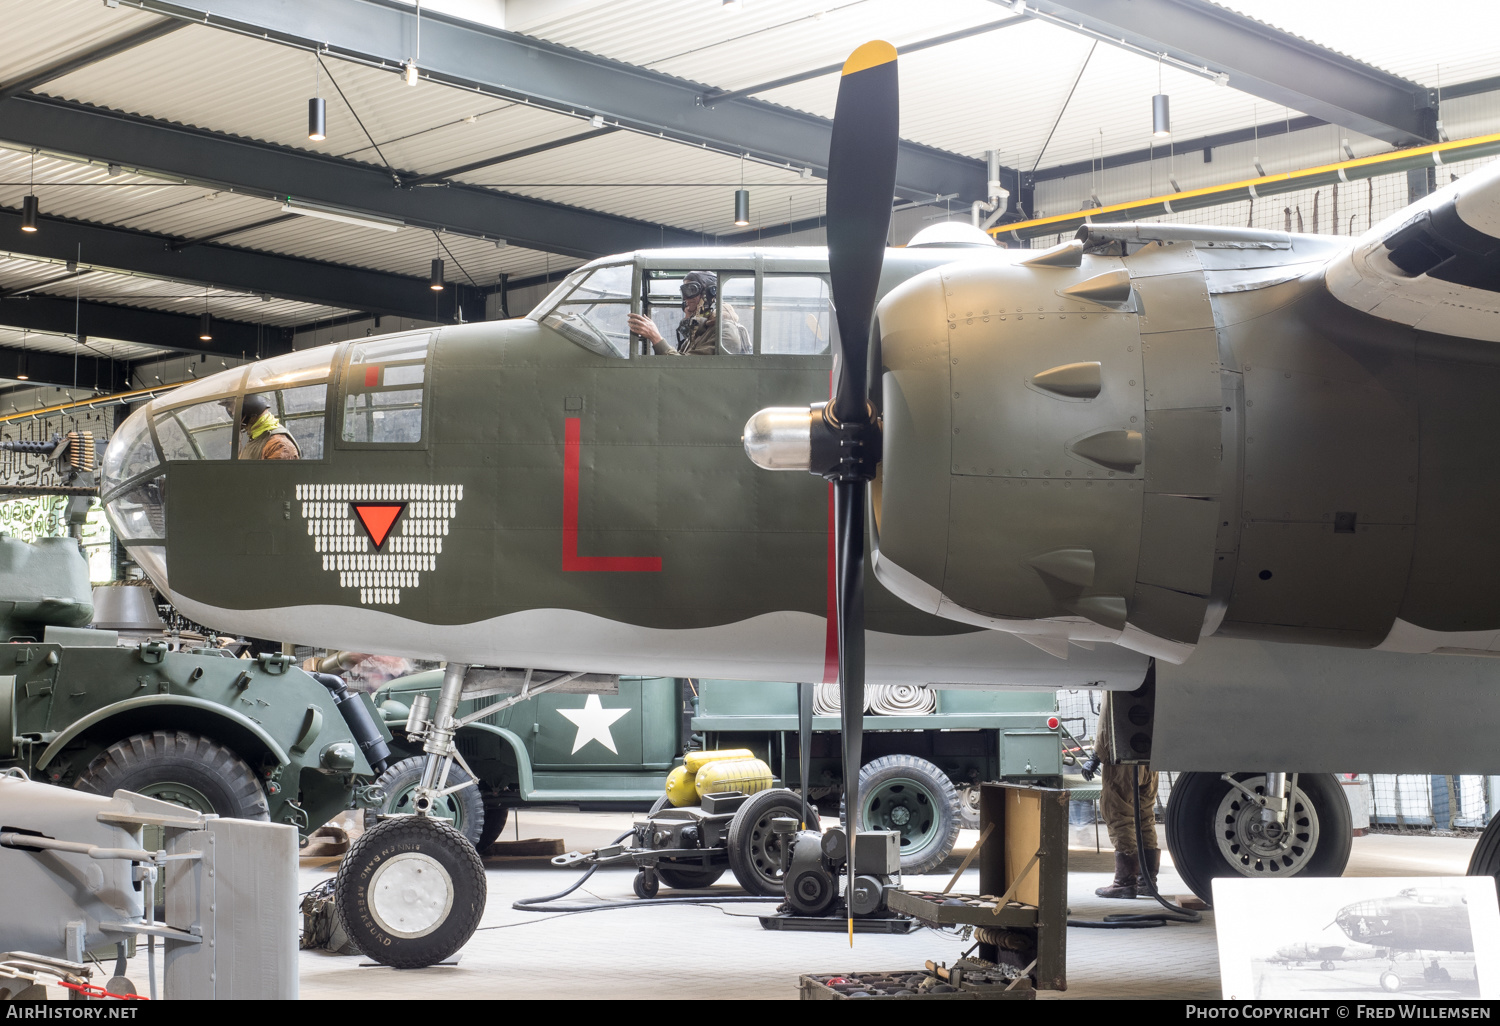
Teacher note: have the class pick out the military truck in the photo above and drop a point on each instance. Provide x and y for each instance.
(921, 774)
(253, 739)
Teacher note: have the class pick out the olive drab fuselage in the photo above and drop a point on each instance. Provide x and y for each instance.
(1087, 464)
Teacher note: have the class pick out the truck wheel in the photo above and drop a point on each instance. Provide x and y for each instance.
(495, 817)
(410, 892)
(179, 767)
(687, 878)
(911, 795)
(968, 806)
(1212, 830)
(463, 809)
(754, 851)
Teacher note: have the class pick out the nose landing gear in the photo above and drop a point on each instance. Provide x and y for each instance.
(412, 888)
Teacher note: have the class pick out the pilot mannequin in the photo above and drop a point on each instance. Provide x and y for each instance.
(699, 332)
(1117, 807)
(267, 440)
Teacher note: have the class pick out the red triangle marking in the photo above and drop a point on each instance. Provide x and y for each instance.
(378, 518)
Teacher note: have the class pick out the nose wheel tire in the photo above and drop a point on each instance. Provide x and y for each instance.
(410, 892)
(754, 851)
(1390, 982)
(463, 810)
(1215, 830)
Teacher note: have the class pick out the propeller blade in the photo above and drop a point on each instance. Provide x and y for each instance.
(849, 518)
(861, 180)
(804, 742)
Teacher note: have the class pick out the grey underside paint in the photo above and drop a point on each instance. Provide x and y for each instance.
(1256, 705)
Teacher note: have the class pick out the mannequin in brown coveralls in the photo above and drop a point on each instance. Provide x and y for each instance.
(1117, 806)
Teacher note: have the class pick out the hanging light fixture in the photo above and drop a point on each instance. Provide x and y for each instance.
(29, 203)
(21, 371)
(742, 199)
(1161, 115)
(205, 327)
(317, 109)
(435, 282)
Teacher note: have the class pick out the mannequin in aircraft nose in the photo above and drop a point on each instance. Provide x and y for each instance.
(265, 438)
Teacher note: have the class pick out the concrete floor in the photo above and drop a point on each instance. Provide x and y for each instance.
(720, 951)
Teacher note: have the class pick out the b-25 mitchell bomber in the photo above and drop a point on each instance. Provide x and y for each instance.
(1245, 476)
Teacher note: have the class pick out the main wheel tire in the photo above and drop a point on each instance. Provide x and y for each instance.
(1206, 831)
(968, 806)
(754, 851)
(687, 878)
(176, 766)
(410, 892)
(495, 818)
(912, 796)
(1486, 858)
(463, 810)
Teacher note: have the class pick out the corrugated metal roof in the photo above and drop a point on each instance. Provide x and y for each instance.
(51, 342)
(158, 294)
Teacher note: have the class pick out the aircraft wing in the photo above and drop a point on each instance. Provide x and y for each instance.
(1434, 265)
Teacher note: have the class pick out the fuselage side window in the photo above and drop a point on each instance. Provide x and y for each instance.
(595, 313)
(384, 383)
(794, 315)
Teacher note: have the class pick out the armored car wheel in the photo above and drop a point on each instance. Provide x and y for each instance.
(687, 878)
(463, 810)
(1214, 829)
(176, 766)
(754, 851)
(410, 892)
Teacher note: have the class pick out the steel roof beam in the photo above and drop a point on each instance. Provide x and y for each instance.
(1259, 59)
(274, 172)
(176, 332)
(558, 78)
(303, 281)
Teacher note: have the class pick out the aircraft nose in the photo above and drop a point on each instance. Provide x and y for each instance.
(133, 485)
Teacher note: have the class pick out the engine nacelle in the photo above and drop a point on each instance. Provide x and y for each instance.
(1052, 448)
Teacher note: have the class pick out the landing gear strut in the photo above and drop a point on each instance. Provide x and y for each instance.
(411, 890)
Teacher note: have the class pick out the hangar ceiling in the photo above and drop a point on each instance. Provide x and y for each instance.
(163, 139)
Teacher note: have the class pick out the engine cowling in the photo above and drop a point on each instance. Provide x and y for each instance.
(1052, 450)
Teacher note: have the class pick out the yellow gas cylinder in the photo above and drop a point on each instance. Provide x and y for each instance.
(680, 790)
(695, 761)
(744, 775)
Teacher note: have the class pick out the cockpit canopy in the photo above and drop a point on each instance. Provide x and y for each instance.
(379, 383)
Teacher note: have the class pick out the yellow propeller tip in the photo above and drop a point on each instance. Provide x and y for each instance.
(870, 55)
(851, 931)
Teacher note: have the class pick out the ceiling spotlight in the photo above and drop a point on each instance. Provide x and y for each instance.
(205, 332)
(741, 207)
(435, 282)
(411, 73)
(21, 372)
(1161, 116)
(28, 214)
(317, 119)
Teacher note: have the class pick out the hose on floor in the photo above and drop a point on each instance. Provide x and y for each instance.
(544, 903)
(1141, 920)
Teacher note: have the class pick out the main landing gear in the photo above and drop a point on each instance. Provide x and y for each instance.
(411, 890)
(1259, 825)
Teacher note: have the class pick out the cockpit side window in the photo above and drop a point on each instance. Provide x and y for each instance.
(384, 382)
(203, 431)
(733, 311)
(795, 317)
(594, 314)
